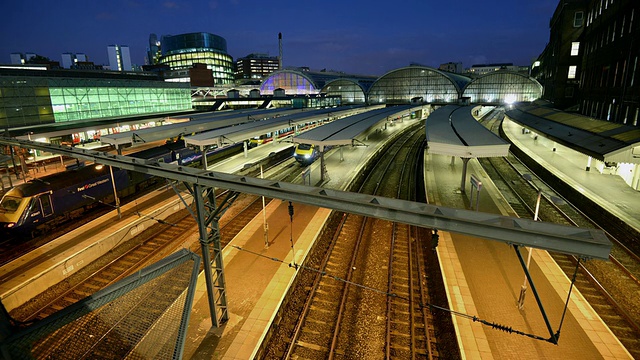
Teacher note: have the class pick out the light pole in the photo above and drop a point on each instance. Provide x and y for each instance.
(264, 217)
(115, 192)
(523, 289)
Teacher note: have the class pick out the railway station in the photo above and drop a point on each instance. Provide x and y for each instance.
(242, 339)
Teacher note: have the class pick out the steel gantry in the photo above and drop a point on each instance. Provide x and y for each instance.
(582, 242)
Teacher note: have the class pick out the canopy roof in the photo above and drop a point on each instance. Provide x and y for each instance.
(452, 130)
(355, 127)
(603, 140)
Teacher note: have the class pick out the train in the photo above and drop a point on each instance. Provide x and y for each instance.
(39, 205)
(306, 154)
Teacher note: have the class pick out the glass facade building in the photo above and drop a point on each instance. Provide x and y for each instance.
(38, 100)
(182, 51)
(503, 87)
(422, 83)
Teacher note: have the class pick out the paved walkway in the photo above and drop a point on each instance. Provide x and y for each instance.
(484, 277)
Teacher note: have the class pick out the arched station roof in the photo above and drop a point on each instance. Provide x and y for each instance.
(402, 85)
(352, 91)
(603, 140)
(303, 82)
(502, 87)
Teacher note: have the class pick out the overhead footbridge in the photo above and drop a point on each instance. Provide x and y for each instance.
(190, 124)
(452, 130)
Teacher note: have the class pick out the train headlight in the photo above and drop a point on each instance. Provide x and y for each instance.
(307, 156)
(10, 225)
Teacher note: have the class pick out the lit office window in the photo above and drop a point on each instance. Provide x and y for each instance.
(572, 72)
(575, 48)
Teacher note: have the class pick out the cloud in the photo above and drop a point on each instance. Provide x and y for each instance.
(170, 5)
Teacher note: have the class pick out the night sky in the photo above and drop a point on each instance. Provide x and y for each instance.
(355, 36)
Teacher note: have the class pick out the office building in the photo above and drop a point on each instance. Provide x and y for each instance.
(590, 64)
(256, 66)
(69, 60)
(181, 52)
(119, 58)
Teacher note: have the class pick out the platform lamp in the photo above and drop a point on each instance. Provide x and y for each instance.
(555, 200)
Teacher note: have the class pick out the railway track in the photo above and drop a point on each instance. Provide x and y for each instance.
(610, 287)
(153, 244)
(334, 312)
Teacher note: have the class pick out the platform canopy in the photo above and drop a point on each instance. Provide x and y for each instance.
(192, 124)
(354, 128)
(603, 140)
(452, 130)
(240, 133)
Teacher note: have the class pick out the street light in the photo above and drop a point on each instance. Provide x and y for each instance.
(555, 200)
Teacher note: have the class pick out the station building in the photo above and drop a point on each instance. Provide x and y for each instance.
(33, 97)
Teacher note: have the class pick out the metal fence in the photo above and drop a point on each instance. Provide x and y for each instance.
(143, 316)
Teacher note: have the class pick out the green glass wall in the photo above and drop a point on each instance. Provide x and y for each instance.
(34, 101)
(24, 102)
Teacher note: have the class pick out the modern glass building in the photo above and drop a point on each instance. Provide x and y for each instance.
(32, 97)
(417, 83)
(503, 87)
(182, 51)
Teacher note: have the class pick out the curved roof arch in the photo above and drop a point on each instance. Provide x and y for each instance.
(402, 85)
(352, 91)
(291, 81)
(502, 87)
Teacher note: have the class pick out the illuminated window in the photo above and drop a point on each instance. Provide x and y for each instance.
(572, 72)
(575, 48)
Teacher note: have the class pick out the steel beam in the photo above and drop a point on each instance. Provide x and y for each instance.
(587, 243)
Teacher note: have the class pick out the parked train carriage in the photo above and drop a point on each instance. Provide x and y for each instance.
(39, 204)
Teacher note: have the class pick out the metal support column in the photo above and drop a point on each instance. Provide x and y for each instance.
(208, 214)
(465, 161)
(554, 337)
(203, 150)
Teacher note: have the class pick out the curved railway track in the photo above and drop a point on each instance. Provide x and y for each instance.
(612, 287)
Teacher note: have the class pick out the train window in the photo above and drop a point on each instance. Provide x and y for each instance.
(10, 204)
(45, 204)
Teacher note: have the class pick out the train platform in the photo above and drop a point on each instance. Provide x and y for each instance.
(609, 191)
(483, 278)
(257, 285)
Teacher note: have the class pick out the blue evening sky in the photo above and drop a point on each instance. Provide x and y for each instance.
(355, 36)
